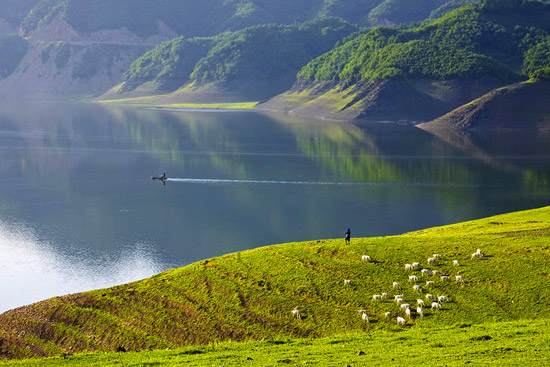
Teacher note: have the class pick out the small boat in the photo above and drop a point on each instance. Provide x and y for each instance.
(161, 178)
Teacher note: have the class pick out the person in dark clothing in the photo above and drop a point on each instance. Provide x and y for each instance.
(348, 236)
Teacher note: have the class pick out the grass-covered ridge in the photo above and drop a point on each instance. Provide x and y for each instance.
(249, 295)
(505, 39)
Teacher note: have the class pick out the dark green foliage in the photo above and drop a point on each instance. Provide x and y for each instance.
(471, 42)
(537, 60)
(402, 11)
(266, 52)
(541, 74)
(62, 56)
(168, 64)
(259, 53)
(12, 49)
(449, 6)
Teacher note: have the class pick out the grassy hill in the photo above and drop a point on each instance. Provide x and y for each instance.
(249, 295)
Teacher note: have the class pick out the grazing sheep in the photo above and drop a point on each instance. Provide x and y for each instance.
(420, 303)
(436, 256)
(401, 321)
(476, 255)
(399, 300)
(442, 299)
(417, 288)
(459, 279)
(419, 311)
(436, 272)
(429, 283)
(408, 312)
(377, 297)
(425, 272)
(432, 261)
(445, 278)
(412, 278)
(384, 296)
(436, 306)
(396, 285)
(347, 282)
(429, 297)
(296, 312)
(416, 266)
(456, 263)
(389, 315)
(364, 317)
(398, 296)
(408, 267)
(481, 254)
(365, 258)
(405, 306)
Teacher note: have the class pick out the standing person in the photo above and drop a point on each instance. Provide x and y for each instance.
(348, 236)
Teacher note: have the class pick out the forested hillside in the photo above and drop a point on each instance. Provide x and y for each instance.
(489, 44)
(268, 54)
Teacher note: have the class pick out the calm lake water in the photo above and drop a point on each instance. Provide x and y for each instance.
(79, 211)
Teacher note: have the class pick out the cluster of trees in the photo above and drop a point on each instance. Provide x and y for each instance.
(470, 42)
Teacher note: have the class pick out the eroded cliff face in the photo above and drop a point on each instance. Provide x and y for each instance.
(63, 63)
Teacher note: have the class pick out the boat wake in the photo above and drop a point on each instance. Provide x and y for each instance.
(217, 181)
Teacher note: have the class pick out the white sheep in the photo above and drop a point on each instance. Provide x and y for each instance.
(419, 311)
(432, 261)
(389, 315)
(384, 296)
(396, 285)
(398, 296)
(416, 266)
(445, 278)
(347, 282)
(413, 278)
(436, 272)
(481, 254)
(436, 306)
(377, 297)
(408, 312)
(442, 299)
(459, 279)
(420, 303)
(429, 297)
(405, 306)
(399, 300)
(429, 283)
(364, 317)
(296, 312)
(401, 321)
(476, 255)
(456, 263)
(417, 288)
(425, 272)
(408, 267)
(365, 258)
(436, 256)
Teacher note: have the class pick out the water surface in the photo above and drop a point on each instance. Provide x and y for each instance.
(79, 211)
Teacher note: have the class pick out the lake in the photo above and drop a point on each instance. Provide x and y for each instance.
(79, 211)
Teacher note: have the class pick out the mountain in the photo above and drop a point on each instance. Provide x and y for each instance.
(428, 69)
(249, 295)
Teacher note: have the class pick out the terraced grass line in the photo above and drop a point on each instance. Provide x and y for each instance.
(504, 344)
(211, 106)
(249, 295)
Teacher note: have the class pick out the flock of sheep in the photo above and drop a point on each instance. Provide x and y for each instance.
(435, 303)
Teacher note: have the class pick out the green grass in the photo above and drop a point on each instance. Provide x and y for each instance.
(248, 296)
(213, 106)
(503, 344)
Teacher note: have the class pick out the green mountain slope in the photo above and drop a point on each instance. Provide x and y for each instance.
(266, 57)
(495, 42)
(250, 295)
